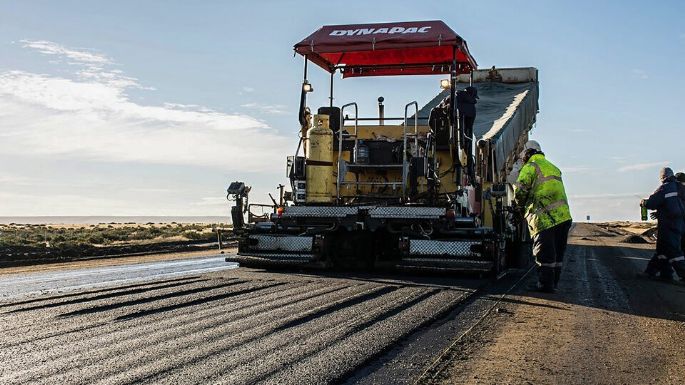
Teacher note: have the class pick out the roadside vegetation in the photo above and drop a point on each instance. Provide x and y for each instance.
(22, 241)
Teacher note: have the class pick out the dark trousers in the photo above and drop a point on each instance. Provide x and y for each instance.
(467, 123)
(669, 253)
(549, 247)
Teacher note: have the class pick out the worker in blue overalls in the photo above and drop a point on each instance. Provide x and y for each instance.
(670, 213)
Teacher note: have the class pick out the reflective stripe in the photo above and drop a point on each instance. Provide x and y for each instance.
(671, 195)
(553, 264)
(548, 178)
(551, 206)
(661, 257)
(541, 178)
(538, 171)
(676, 259)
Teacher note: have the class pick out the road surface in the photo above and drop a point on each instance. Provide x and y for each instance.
(66, 280)
(182, 322)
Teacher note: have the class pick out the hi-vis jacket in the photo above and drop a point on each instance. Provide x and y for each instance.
(540, 190)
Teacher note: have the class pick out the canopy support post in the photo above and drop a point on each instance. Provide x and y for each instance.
(303, 100)
(305, 67)
(331, 97)
(454, 117)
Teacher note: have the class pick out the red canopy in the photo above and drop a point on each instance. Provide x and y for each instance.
(408, 48)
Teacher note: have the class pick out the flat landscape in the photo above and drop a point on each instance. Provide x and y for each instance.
(30, 244)
(201, 320)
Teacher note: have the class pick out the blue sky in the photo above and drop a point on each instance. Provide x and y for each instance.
(151, 108)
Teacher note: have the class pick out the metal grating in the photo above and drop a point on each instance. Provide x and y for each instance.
(407, 212)
(283, 243)
(421, 247)
(282, 257)
(442, 264)
(318, 211)
(398, 212)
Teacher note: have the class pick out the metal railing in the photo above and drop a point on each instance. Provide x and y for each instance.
(405, 166)
(341, 172)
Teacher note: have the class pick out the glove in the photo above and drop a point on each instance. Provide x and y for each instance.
(652, 215)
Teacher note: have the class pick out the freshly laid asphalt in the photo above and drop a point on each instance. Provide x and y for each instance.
(17, 285)
(205, 321)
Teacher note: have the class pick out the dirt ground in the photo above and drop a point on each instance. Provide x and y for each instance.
(604, 325)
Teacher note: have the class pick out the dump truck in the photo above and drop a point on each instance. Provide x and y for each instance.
(413, 192)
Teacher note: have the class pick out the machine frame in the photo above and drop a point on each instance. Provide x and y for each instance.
(425, 218)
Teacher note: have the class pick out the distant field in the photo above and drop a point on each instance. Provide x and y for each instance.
(24, 243)
(95, 219)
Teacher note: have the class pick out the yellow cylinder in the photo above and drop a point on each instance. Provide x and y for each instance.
(320, 180)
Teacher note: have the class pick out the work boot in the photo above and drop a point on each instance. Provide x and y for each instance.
(647, 274)
(679, 267)
(651, 272)
(652, 267)
(666, 277)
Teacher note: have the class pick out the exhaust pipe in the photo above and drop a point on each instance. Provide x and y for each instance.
(381, 111)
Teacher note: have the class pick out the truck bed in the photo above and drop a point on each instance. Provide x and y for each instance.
(506, 108)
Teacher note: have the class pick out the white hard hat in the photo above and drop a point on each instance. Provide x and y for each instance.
(532, 145)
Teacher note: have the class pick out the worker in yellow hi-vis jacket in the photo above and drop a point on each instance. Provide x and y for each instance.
(539, 191)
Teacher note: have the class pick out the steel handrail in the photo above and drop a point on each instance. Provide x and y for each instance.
(405, 168)
(341, 177)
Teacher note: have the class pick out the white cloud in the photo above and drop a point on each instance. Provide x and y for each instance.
(14, 180)
(640, 73)
(643, 166)
(79, 56)
(275, 109)
(212, 201)
(607, 196)
(91, 117)
(152, 190)
(19, 204)
(575, 169)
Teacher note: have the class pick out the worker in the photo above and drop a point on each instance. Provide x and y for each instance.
(670, 214)
(539, 192)
(680, 178)
(466, 104)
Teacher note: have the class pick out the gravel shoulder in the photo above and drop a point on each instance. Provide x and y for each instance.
(604, 326)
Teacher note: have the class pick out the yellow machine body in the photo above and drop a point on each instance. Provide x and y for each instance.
(320, 162)
(394, 133)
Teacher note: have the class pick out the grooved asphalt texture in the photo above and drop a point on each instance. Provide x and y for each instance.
(232, 327)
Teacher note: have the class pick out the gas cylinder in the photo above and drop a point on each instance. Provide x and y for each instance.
(319, 163)
(361, 153)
